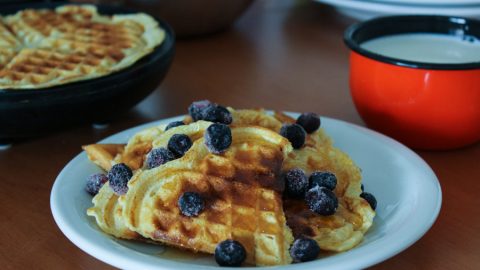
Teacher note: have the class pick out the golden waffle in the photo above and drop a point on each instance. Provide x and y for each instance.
(103, 154)
(106, 209)
(242, 193)
(138, 147)
(108, 214)
(8, 45)
(354, 216)
(6, 54)
(255, 118)
(339, 232)
(142, 142)
(194, 131)
(73, 43)
(33, 67)
(7, 39)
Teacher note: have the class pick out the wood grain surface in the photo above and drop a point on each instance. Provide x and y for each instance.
(286, 55)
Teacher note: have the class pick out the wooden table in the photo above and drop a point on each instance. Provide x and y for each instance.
(284, 55)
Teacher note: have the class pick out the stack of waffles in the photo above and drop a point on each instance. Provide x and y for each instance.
(243, 188)
(43, 47)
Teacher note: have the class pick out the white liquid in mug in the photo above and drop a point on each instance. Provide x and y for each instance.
(427, 48)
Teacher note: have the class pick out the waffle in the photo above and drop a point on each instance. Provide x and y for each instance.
(106, 210)
(133, 154)
(8, 45)
(354, 216)
(255, 118)
(71, 43)
(339, 232)
(242, 193)
(7, 39)
(194, 131)
(108, 214)
(104, 154)
(6, 54)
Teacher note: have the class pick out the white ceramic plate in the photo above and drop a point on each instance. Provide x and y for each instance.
(364, 10)
(430, 2)
(408, 194)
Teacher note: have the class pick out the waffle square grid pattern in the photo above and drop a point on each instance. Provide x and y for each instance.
(241, 188)
(251, 218)
(236, 206)
(43, 48)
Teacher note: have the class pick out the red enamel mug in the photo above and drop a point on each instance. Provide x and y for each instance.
(424, 105)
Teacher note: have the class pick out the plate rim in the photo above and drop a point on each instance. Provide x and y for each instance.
(116, 259)
(388, 8)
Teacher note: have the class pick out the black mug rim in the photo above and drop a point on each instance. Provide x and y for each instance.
(358, 33)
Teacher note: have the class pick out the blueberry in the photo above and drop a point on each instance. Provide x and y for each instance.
(295, 134)
(230, 253)
(323, 179)
(309, 121)
(370, 199)
(196, 109)
(118, 177)
(304, 250)
(95, 182)
(296, 183)
(158, 156)
(218, 137)
(191, 204)
(174, 124)
(321, 200)
(217, 114)
(179, 144)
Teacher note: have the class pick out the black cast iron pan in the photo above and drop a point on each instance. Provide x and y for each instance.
(29, 113)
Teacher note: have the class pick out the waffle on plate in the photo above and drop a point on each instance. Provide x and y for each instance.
(44, 47)
(234, 209)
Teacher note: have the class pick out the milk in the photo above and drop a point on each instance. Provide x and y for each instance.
(427, 48)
